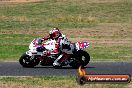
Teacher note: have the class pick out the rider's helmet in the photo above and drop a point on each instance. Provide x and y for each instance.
(55, 33)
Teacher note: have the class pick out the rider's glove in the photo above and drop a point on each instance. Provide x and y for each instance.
(40, 41)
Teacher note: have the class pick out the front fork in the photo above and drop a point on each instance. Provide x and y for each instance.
(32, 57)
(29, 53)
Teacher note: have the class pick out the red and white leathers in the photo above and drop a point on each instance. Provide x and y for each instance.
(56, 49)
(63, 45)
(65, 48)
(54, 34)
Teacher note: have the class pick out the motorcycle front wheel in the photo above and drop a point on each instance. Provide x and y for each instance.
(26, 61)
(82, 58)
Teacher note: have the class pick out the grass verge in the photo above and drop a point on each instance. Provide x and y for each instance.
(12, 46)
(51, 82)
(63, 14)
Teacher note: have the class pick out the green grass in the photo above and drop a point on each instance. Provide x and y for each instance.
(110, 53)
(12, 46)
(16, 39)
(51, 82)
(12, 52)
(69, 14)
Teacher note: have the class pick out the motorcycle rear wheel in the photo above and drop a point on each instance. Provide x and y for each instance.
(25, 61)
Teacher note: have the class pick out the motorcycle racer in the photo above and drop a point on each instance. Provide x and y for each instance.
(44, 53)
(62, 45)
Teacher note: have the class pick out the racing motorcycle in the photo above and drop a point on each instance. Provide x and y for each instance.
(45, 54)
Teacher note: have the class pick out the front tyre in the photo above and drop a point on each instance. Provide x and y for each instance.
(82, 59)
(26, 61)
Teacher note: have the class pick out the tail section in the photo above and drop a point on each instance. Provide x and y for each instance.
(82, 45)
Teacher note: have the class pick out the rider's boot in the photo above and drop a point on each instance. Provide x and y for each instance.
(56, 63)
(60, 59)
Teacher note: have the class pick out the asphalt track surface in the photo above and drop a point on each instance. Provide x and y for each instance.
(15, 69)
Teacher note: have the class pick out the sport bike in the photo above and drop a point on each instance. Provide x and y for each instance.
(44, 53)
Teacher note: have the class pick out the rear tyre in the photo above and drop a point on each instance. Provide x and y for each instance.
(82, 59)
(26, 61)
